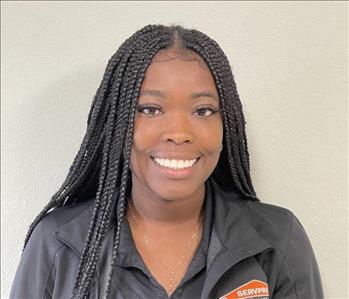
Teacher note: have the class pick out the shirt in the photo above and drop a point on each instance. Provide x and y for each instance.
(256, 250)
(133, 278)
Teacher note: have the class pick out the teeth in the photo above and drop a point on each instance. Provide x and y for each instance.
(175, 164)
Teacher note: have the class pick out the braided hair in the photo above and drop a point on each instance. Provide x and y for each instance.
(101, 167)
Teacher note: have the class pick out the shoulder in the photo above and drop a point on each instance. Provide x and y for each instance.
(44, 234)
(62, 215)
(298, 269)
(274, 223)
(36, 270)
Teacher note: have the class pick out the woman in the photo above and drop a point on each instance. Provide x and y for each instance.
(159, 201)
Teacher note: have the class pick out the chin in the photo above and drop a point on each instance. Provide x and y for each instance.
(172, 191)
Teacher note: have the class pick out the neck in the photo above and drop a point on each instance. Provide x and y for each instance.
(167, 214)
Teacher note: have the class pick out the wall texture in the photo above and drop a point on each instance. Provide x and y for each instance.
(290, 65)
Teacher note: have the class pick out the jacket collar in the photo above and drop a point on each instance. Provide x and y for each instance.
(233, 236)
(232, 227)
(232, 231)
(74, 232)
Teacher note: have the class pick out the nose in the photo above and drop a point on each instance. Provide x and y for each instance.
(178, 130)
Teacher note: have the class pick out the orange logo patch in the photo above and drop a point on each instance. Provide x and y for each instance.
(253, 289)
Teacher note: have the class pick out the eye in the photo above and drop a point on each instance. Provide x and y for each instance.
(204, 109)
(147, 109)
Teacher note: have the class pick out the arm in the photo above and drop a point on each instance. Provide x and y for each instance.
(33, 276)
(299, 277)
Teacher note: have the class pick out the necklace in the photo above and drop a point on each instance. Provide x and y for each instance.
(171, 273)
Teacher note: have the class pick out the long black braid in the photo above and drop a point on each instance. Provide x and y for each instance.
(232, 110)
(129, 126)
(101, 167)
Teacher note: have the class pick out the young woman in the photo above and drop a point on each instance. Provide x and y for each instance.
(159, 202)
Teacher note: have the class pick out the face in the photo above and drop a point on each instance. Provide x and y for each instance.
(178, 118)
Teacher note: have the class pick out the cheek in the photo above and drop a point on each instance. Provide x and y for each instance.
(143, 136)
(211, 138)
(143, 142)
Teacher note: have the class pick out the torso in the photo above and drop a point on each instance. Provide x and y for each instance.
(166, 251)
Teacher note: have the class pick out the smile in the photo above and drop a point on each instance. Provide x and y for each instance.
(174, 170)
(175, 164)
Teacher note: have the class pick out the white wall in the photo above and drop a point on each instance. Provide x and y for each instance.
(290, 66)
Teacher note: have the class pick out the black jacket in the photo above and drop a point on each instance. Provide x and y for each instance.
(255, 249)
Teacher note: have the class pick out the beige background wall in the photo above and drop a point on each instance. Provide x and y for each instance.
(290, 65)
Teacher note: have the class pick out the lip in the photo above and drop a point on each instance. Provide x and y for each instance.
(176, 174)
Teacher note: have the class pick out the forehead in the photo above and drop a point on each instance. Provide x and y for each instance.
(172, 68)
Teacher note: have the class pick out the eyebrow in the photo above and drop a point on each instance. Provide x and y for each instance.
(160, 94)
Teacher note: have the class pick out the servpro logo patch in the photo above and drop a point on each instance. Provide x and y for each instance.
(255, 289)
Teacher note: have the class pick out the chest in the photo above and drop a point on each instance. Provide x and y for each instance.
(226, 272)
(167, 259)
(243, 275)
